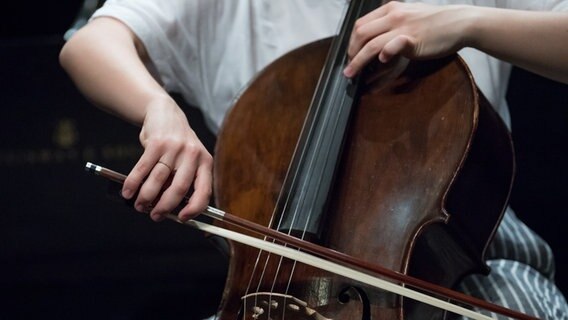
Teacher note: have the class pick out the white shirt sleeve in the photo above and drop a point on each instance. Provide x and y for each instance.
(158, 25)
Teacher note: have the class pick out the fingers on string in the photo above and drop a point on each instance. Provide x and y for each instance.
(372, 33)
(364, 32)
(383, 48)
(367, 53)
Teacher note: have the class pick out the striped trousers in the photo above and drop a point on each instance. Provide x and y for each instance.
(522, 273)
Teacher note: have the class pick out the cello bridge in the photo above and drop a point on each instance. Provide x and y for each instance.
(275, 306)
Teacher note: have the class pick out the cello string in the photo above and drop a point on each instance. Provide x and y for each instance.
(303, 256)
(332, 78)
(336, 102)
(268, 255)
(332, 267)
(264, 268)
(311, 164)
(294, 178)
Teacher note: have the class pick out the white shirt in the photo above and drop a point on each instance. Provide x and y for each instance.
(208, 50)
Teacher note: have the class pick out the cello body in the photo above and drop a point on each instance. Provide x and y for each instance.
(421, 185)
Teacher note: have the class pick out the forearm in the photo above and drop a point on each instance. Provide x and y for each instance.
(536, 41)
(104, 62)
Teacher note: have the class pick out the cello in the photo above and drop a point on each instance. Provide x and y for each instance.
(412, 173)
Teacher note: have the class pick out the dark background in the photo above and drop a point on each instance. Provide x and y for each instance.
(66, 251)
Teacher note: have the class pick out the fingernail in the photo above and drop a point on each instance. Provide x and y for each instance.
(156, 217)
(127, 193)
(140, 208)
(348, 72)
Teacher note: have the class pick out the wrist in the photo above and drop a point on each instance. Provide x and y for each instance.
(160, 102)
(471, 25)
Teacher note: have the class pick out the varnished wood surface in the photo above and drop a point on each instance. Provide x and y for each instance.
(406, 145)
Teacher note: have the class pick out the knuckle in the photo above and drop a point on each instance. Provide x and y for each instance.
(392, 6)
(389, 5)
(207, 192)
(192, 150)
(164, 143)
(372, 47)
(178, 190)
(207, 159)
(143, 199)
(359, 32)
(358, 23)
(139, 171)
(174, 144)
(156, 143)
(397, 14)
(397, 17)
(161, 175)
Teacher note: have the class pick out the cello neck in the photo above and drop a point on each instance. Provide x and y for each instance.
(310, 176)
